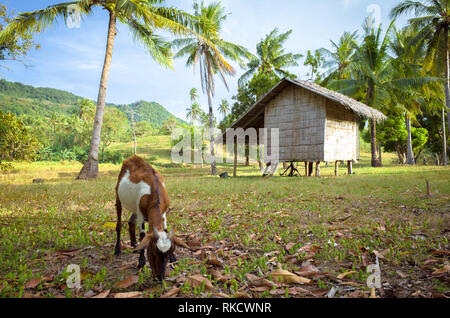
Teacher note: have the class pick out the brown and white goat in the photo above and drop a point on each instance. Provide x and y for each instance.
(141, 190)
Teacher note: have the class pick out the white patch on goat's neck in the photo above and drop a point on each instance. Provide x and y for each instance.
(164, 220)
(130, 195)
(164, 244)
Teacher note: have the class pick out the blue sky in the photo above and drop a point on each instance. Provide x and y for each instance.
(71, 59)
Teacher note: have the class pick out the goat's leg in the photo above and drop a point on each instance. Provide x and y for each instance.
(118, 226)
(142, 252)
(132, 229)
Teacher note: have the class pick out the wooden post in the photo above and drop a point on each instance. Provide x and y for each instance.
(318, 169)
(336, 168)
(235, 160)
(310, 169)
(306, 168)
(350, 167)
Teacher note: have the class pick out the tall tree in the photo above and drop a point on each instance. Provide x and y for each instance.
(15, 48)
(271, 57)
(407, 61)
(143, 18)
(210, 57)
(224, 107)
(433, 21)
(373, 77)
(193, 94)
(339, 57)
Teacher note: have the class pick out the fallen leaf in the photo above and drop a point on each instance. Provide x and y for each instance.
(102, 295)
(259, 282)
(32, 283)
(260, 289)
(444, 269)
(127, 282)
(180, 242)
(219, 276)
(212, 260)
(343, 275)
(128, 295)
(241, 294)
(29, 295)
(289, 247)
(276, 292)
(67, 253)
(378, 254)
(197, 280)
(308, 270)
(440, 252)
(352, 284)
(221, 295)
(171, 293)
(401, 274)
(288, 277)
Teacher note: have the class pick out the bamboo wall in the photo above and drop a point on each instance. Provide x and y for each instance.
(341, 133)
(312, 128)
(300, 116)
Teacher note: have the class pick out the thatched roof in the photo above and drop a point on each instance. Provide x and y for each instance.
(254, 117)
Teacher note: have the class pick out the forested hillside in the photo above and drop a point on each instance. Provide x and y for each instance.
(21, 99)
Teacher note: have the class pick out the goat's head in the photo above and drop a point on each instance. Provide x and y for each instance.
(160, 246)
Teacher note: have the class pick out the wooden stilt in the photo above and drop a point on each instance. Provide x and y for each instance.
(318, 169)
(306, 168)
(350, 167)
(310, 168)
(235, 160)
(336, 168)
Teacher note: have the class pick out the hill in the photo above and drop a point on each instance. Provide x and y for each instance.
(23, 99)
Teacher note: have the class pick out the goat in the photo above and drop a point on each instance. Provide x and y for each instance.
(141, 190)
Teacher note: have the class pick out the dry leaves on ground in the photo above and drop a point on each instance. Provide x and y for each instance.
(127, 282)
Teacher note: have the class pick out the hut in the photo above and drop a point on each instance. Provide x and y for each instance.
(315, 124)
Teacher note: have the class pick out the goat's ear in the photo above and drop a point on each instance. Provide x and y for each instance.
(144, 243)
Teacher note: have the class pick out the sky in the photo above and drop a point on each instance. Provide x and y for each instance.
(71, 59)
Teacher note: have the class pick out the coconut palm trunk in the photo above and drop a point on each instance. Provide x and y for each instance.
(90, 168)
(444, 140)
(409, 150)
(376, 161)
(211, 133)
(447, 78)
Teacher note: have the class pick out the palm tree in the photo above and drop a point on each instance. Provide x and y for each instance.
(224, 107)
(143, 18)
(210, 57)
(433, 22)
(339, 57)
(271, 57)
(408, 58)
(84, 106)
(373, 78)
(193, 93)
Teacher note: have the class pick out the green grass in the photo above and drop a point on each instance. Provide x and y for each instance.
(246, 222)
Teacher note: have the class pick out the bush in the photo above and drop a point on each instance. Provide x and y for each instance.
(114, 157)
